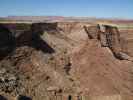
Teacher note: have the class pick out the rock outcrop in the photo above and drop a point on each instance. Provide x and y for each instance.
(110, 37)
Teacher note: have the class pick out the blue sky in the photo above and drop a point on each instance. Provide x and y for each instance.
(85, 8)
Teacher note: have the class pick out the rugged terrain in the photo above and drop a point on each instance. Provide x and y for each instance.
(65, 61)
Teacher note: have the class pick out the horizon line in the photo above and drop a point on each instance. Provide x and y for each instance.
(93, 17)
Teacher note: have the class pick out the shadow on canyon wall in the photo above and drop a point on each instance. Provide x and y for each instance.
(31, 38)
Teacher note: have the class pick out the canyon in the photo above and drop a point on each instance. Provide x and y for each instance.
(65, 61)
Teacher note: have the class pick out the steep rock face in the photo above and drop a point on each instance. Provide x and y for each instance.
(7, 41)
(110, 37)
(112, 40)
(40, 27)
(20, 34)
(17, 28)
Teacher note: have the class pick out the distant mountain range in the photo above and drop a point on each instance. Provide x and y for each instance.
(61, 18)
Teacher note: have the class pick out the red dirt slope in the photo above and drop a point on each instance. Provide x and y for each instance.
(99, 72)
